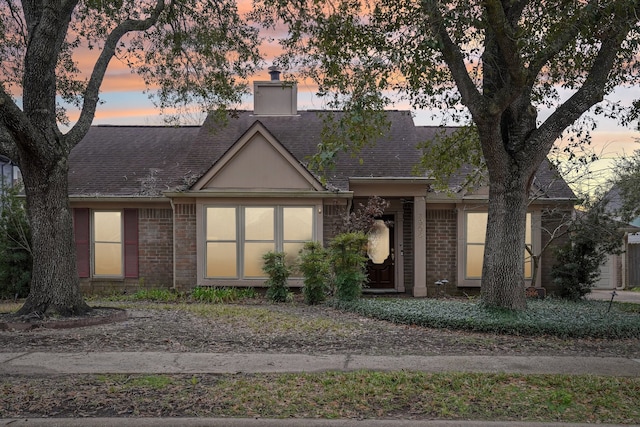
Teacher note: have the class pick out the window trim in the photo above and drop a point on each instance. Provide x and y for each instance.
(83, 226)
(240, 213)
(535, 243)
(94, 242)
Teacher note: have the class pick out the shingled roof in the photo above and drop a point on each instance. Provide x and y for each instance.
(144, 161)
(548, 182)
(130, 160)
(391, 156)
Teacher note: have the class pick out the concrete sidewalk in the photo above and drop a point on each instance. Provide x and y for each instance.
(230, 363)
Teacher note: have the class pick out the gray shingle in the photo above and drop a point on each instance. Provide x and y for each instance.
(146, 160)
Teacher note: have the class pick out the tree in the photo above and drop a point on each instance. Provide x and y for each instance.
(627, 180)
(495, 63)
(191, 51)
(15, 245)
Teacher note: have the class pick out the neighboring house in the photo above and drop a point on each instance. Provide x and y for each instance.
(9, 173)
(186, 206)
(622, 271)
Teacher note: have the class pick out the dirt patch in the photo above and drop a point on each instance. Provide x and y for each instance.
(291, 328)
(97, 316)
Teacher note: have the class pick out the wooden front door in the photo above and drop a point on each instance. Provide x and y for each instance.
(381, 252)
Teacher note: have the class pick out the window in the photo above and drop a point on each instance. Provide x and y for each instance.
(106, 242)
(475, 231)
(237, 237)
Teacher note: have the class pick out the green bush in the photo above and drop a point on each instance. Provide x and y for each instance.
(314, 266)
(551, 316)
(577, 269)
(278, 272)
(595, 233)
(15, 245)
(349, 263)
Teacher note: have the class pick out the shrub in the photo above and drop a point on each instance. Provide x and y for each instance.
(594, 234)
(278, 272)
(577, 268)
(347, 257)
(15, 245)
(314, 266)
(363, 219)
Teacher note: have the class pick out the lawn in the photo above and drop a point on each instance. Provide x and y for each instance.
(354, 395)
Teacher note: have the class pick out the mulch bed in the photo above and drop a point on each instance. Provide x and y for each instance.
(97, 316)
(161, 327)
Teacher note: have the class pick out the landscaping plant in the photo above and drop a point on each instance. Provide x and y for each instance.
(349, 262)
(278, 272)
(315, 268)
(578, 262)
(15, 245)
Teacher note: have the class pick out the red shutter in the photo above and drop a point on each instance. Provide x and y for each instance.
(82, 236)
(131, 243)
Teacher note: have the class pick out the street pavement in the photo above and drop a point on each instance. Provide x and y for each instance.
(620, 296)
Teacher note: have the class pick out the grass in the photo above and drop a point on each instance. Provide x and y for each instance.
(361, 395)
(9, 306)
(263, 320)
(565, 319)
(212, 295)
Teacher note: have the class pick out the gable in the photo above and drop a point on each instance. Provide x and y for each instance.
(258, 162)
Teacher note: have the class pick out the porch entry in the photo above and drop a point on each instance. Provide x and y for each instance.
(381, 253)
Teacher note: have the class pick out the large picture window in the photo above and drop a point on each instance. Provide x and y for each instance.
(238, 236)
(475, 233)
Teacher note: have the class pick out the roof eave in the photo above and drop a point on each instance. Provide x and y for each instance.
(260, 194)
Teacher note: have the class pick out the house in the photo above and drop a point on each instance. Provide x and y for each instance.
(9, 173)
(621, 271)
(181, 207)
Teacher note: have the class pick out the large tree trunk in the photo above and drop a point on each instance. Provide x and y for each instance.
(55, 286)
(503, 268)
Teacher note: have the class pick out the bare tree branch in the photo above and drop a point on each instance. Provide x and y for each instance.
(97, 75)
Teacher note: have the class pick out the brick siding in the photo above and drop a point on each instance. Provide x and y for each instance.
(155, 247)
(332, 218)
(407, 236)
(186, 247)
(442, 235)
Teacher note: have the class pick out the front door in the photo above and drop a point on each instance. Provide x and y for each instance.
(381, 252)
